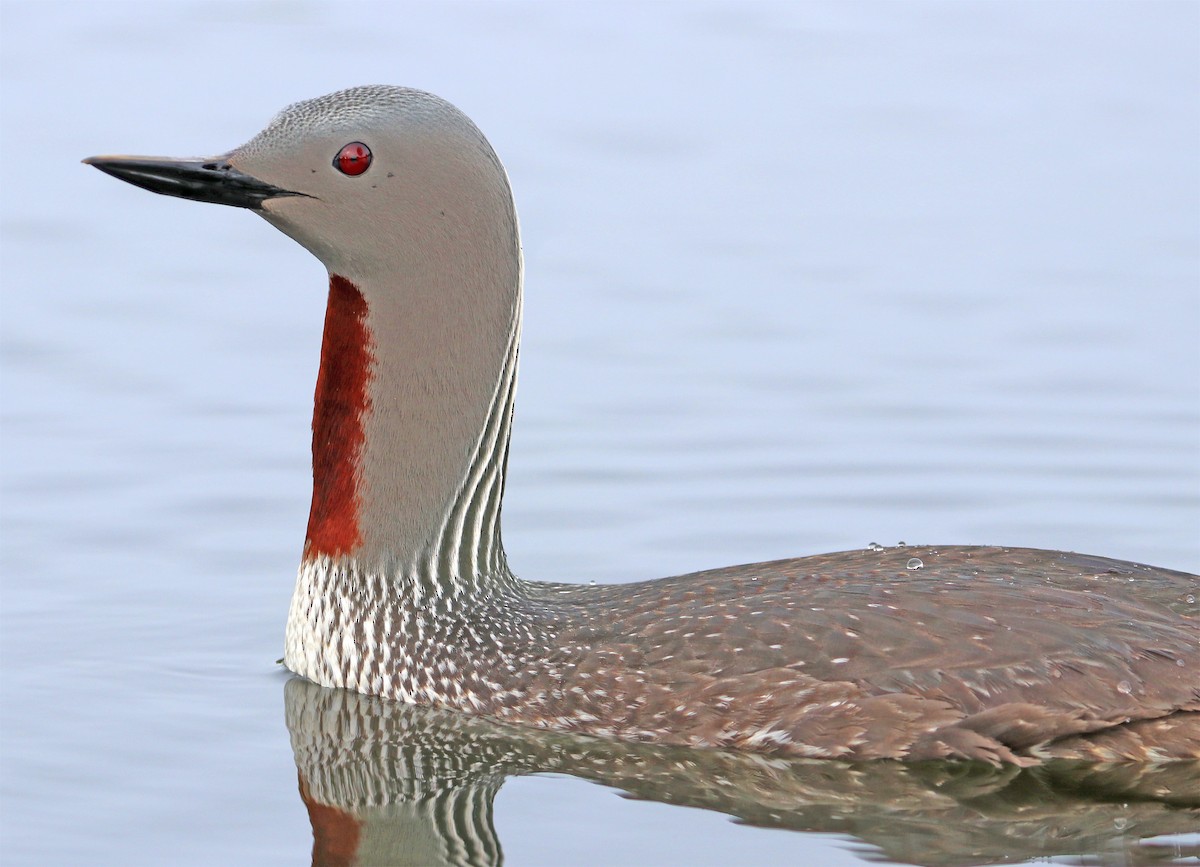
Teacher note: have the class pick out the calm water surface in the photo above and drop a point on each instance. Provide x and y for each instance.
(800, 277)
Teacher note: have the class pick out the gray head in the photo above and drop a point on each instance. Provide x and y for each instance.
(429, 171)
(424, 171)
(402, 198)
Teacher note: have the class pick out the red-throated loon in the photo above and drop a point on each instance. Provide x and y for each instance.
(1003, 655)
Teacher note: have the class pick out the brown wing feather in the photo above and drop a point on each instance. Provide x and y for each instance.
(983, 653)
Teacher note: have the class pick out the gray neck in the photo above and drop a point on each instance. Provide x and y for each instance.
(437, 429)
(440, 320)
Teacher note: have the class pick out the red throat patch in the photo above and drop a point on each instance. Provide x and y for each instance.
(339, 415)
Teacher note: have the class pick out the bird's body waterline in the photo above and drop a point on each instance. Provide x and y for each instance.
(1004, 655)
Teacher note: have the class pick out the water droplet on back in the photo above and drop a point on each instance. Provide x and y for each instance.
(915, 563)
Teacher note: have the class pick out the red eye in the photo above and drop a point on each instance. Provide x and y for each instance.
(353, 159)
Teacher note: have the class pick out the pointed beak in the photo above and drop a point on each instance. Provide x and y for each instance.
(213, 180)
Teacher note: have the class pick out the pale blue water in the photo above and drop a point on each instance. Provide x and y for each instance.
(800, 277)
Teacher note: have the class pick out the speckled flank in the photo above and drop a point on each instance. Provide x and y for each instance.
(839, 656)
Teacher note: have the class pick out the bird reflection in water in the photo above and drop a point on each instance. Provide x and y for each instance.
(392, 783)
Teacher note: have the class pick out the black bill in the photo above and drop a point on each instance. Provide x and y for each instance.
(213, 180)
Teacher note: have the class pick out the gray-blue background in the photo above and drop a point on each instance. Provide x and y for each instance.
(800, 277)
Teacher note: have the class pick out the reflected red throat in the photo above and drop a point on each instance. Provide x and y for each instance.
(339, 416)
(336, 833)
